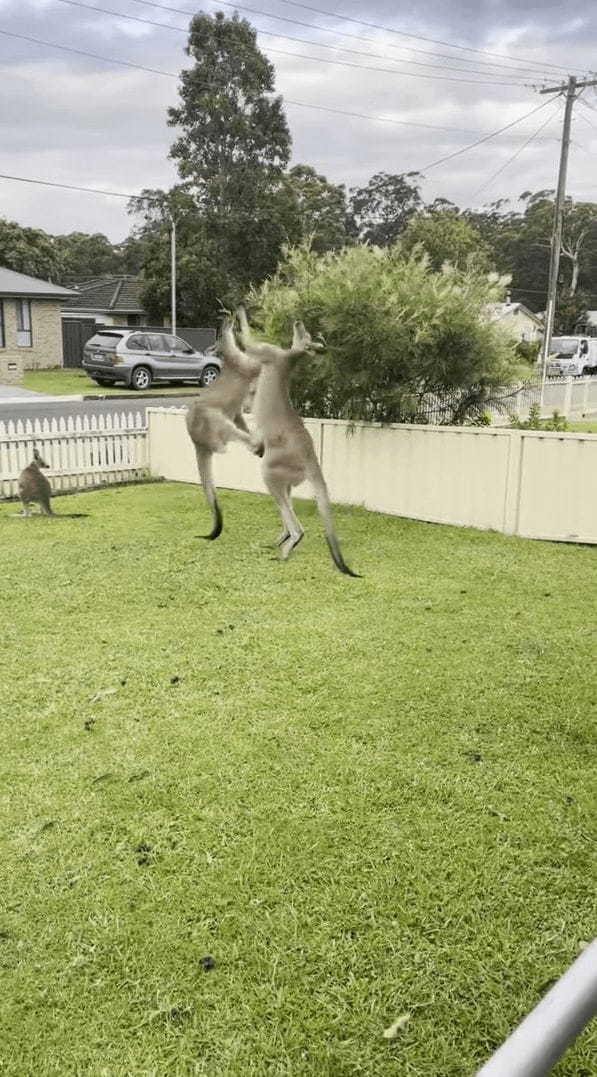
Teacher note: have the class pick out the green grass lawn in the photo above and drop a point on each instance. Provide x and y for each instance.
(63, 382)
(356, 798)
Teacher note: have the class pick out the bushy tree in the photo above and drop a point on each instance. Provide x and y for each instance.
(84, 256)
(520, 243)
(320, 207)
(235, 208)
(394, 329)
(29, 250)
(446, 236)
(381, 211)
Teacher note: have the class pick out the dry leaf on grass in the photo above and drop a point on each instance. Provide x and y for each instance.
(391, 1032)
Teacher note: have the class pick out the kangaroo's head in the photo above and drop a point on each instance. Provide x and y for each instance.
(38, 459)
(302, 342)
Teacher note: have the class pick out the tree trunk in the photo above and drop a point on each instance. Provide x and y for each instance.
(575, 273)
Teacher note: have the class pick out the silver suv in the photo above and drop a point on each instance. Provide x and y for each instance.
(138, 359)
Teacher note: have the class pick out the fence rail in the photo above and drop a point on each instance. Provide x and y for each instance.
(570, 396)
(82, 451)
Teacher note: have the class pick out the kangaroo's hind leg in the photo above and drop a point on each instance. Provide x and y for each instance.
(292, 532)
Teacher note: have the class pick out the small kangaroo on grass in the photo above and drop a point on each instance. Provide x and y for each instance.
(215, 417)
(289, 456)
(34, 488)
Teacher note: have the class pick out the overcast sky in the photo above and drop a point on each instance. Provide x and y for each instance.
(79, 120)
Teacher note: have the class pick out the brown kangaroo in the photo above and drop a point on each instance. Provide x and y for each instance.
(289, 456)
(34, 487)
(215, 417)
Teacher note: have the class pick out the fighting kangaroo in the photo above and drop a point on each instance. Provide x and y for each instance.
(289, 456)
(34, 487)
(215, 417)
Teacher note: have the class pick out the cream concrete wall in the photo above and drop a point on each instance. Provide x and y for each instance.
(174, 455)
(534, 484)
(46, 334)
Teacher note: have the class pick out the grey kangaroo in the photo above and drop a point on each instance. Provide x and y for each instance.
(289, 456)
(34, 487)
(216, 417)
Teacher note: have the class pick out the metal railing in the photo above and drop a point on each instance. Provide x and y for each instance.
(541, 1039)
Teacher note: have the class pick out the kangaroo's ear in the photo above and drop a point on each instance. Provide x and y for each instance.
(36, 455)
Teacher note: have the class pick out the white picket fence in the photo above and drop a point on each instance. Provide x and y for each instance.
(82, 451)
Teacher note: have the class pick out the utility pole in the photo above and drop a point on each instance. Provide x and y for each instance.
(571, 90)
(173, 273)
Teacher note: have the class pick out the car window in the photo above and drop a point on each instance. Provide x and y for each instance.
(137, 342)
(104, 340)
(182, 346)
(157, 343)
(175, 344)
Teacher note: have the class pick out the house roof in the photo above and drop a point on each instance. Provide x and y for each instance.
(497, 311)
(19, 284)
(108, 294)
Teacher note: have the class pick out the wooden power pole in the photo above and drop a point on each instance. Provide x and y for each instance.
(570, 89)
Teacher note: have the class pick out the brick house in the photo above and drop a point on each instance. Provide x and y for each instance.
(30, 324)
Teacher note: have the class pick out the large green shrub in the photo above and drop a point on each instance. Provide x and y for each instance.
(395, 332)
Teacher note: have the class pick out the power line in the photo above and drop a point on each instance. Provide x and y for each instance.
(298, 56)
(287, 100)
(341, 33)
(68, 186)
(591, 125)
(485, 138)
(346, 17)
(586, 118)
(502, 168)
(384, 70)
(89, 55)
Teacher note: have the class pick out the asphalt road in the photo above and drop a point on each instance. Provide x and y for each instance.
(38, 408)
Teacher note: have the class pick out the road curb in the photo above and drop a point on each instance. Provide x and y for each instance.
(41, 399)
(130, 396)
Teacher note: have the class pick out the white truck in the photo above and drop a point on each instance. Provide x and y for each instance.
(572, 357)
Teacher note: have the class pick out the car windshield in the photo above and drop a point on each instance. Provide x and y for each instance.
(104, 340)
(564, 345)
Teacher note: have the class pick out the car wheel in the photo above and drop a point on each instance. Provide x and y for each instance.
(141, 378)
(209, 374)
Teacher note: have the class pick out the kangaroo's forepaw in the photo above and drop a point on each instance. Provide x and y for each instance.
(258, 448)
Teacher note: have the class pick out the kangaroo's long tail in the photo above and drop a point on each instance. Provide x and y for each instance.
(207, 481)
(324, 507)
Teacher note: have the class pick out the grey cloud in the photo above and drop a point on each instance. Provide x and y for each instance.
(79, 120)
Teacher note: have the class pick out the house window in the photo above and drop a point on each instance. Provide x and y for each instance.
(2, 341)
(24, 323)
